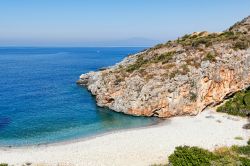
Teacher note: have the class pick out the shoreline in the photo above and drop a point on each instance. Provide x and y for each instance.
(140, 146)
(161, 122)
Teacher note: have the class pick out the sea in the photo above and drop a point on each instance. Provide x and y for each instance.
(40, 102)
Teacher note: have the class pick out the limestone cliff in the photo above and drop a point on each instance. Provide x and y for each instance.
(180, 77)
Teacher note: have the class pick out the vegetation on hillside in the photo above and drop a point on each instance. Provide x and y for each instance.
(195, 156)
(142, 62)
(238, 105)
(236, 40)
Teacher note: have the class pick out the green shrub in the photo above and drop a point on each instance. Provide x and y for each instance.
(238, 105)
(224, 156)
(202, 40)
(3, 164)
(227, 161)
(158, 46)
(193, 96)
(239, 39)
(243, 150)
(227, 34)
(173, 74)
(164, 58)
(138, 63)
(241, 45)
(184, 69)
(185, 37)
(191, 156)
(231, 156)
(244, 161)
(210, 57)
(247, 99)
(238, 138)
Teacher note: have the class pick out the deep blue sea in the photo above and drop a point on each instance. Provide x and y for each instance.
(41, 103)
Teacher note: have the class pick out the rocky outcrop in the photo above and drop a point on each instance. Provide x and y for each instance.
(180, 77)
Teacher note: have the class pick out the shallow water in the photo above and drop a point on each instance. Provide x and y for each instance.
(40, 102)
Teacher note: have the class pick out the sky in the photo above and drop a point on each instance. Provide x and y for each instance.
(112, 22)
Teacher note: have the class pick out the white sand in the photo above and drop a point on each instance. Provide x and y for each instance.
(139, 146)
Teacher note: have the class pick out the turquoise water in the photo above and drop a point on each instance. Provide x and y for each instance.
(40, 102)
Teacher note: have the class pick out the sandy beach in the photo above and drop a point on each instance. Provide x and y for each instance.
(139, 147)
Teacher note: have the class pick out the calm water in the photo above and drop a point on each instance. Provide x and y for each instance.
(40, 102)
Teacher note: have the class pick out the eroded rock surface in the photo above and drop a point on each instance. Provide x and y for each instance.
(180, 77)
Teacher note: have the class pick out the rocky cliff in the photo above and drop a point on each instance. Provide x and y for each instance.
(180, 77)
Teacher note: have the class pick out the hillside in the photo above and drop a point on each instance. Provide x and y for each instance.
(180, 77)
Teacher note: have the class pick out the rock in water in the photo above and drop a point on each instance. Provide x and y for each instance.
(180, 77)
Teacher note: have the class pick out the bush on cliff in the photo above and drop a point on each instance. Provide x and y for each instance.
(138, 63)
(241, 45)
(141, 62)
(210, 57)
(164, 58)
(238, 105)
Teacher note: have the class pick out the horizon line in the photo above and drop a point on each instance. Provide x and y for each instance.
(74, 46)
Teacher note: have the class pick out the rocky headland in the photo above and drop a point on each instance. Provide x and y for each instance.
(180, 77)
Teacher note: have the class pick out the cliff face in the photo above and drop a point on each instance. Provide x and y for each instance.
(180, 77)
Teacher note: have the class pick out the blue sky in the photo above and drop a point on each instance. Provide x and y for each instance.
(112, 22)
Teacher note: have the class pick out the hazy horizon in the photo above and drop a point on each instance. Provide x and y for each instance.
(95, 23)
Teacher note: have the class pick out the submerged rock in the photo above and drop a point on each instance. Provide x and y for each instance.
(180, 77)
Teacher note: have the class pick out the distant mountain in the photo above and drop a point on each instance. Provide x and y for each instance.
(131, 42)
(136, 42)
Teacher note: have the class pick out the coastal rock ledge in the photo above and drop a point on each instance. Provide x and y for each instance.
(180, 77)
